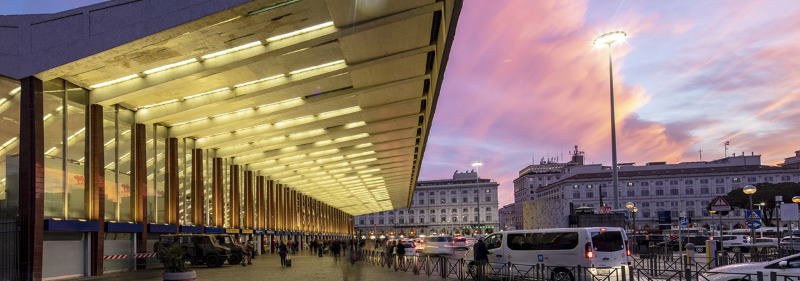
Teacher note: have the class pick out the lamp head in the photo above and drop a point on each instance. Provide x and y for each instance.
(477, 164)
(796, 199)
(635, 209)
(609, 39)
(629, 205)
(749, 189)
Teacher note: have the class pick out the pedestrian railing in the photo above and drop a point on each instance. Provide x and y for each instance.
(648, 269)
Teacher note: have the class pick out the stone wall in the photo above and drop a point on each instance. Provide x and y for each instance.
(544, 213)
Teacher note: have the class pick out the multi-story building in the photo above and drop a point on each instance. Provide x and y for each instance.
(506, 216)
(464, 204)
(655, 188)
(536, 176)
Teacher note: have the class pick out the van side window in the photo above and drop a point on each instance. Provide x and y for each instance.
(494, 241)
(543, 241)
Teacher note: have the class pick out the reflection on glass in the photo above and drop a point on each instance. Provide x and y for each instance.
(9, 145)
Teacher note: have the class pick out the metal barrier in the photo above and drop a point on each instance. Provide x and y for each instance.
(652, 268)
(9, 250)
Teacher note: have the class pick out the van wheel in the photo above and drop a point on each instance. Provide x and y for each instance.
(561, 274)
(213, 261)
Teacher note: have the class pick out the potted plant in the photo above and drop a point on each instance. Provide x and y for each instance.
(175, 265)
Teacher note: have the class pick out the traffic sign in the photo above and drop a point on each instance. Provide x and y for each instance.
(751, 215)
(754, 224)
(684, 222)
(719, 204)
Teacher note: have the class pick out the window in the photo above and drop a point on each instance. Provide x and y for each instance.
(463, 192)
(589, 194)
(645, 192)
(659, 192)
(493, 241)
(421, 212)
(736, 180)
(589, 186)
(720, 180)
(574, 186)
(604, 194)
(401, 221)
(488, 190)
(411, 212)
(361, 221)
(704, 190)
(380, 221)
(432, 201)
(576, 195)
(464, 210)
(658, 183)
(421, 202)
(645, 183)
(432, 211)
(430, 193)
(441, 192)
(673, 191)
(751, 179)
(488, 218)
(464, 200)
(488, 209)
(785, 178)
(645, 204)
(475, 210)
(630, 184)
(453, 200)
(720, 190)
(689, 191)
(689, 203)
(455, 218)
(688, 182)
(704, 181)
(673, 182)
(631, 193)
(452, 192)
(543, 241)
(411, 220)
(488, 199)
(475, 199)
(607, 241)
(443, 201)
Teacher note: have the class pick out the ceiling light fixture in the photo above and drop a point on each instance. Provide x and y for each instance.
(115, 81)
(316, 67)
(300, 31)
(231, 50)
(168, 66)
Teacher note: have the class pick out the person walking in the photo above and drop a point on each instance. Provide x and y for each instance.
(336, 249)
(481, 258)
(389, 252)
(400, 252)
(282, 252)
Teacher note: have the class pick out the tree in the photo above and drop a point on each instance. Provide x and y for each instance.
(766, 194)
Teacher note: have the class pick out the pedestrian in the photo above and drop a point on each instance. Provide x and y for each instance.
(400, 252)
(481, 258)
(295, 247)
(283, 252)
(336, 249)
(389, 252)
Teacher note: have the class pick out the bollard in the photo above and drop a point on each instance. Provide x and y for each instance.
(622, 272)
(773, 276)
(760, 276)
(443, 267)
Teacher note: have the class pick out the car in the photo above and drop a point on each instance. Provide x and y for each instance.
(790, 242)
(766, 242)
(437, 245)
(237, 249)
(460, 243)
(601, 250)
(198, 248)
(783, 268)
(736, 243)
(410, 247)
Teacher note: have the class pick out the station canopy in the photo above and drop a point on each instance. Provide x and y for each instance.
(333, 98)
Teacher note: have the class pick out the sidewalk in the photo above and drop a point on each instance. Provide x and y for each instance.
(267, 267)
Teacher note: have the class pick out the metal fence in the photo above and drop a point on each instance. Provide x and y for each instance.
(648, 269)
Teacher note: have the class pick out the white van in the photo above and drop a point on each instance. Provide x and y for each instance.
(560, 250)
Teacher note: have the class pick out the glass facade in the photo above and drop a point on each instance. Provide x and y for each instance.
(9, 144)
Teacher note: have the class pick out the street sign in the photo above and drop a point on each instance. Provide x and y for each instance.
(754, 224)
(752, 215)
(684, 222)
(789, 212)
(719, 204)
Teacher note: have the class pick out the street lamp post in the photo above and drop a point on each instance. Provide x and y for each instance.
(795, 199)
(608, 40)
(477, 165)
(750, 190)
(633, 210)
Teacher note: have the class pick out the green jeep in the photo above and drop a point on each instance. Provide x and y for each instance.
(198, 248)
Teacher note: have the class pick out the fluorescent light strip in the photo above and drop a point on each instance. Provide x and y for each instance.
(190, 121)
(157, 104)
(354, 124)
(7, 143)
(50, 150)
(115, 81)
(316, 67)
(339, 112)
(231, 50)
(259, 80)
(206, 93)
(47, 117)
(76, 134)
(295, 121)
(14, 91)
(3, 100)
(300, 31)
(168, 66)
(109, 142)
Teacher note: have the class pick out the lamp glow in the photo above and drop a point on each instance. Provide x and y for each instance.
(749, 189)
(609, 39)
(629, 205)
(796, 199)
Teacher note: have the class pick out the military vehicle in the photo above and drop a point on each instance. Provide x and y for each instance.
(237, 249)
(198, 248)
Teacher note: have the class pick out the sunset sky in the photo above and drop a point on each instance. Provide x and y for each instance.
(523, 82)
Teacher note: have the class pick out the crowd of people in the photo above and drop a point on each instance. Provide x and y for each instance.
(334, 248)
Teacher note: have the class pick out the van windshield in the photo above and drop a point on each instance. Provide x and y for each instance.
(608, 241)
(439, 239)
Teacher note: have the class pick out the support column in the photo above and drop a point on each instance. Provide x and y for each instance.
(97, 192)
(282, 207)
(217, 192)
(292, 210)
(234, 195)
(171, 198)
(248, 198)
(139, 207)
(198, 197)
(261, 203)
(31, 178)
(270, 204)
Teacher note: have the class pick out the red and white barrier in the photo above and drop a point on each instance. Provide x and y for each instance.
(145, 255)
(115, 257)
(138, 256)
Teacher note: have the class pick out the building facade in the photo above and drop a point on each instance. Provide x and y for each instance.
(657, 188)
(505, 217)
(463, 205)
(535, 176)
